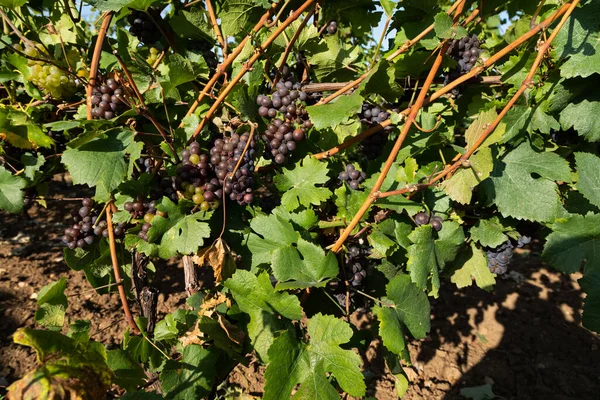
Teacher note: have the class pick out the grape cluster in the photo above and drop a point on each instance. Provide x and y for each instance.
(332, 27)
(373, 145)
(224, 156)
(195, 178)
(423, 218)
(356, 263)
(465, 51)
(86, 227)
(499, 258)
(268, 201)
(145, 164)
(142, 27)
(106, 103)
(353, 176)
(49, 78)
(206, 48)
(143, 209)
(287, 102)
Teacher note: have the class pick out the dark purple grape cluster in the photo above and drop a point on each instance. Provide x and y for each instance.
(352, 176)
(332, 27)
(268, 201)
(499, 258)
(145, 210)
(142, 27)
(206, 48)
(465, 51)
(106, 102)
(373, 145)
(289, 120)
(423, 218)
(356, 264)
(86, 227)
(224, 156)
(281, 138)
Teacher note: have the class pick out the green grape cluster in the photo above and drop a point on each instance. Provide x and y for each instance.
(49, 78)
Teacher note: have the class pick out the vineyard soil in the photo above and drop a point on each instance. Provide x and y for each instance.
(525, 336)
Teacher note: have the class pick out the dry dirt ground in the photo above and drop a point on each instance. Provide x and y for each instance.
(524, 340)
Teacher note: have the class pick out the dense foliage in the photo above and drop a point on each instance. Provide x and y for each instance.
(312, 174)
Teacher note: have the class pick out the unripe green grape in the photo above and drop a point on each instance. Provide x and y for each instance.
(198, 199)
(204, 206)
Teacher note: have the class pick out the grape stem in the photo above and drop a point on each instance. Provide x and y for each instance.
(392, 156)
(247, 65)
(106, 18)
(228, 61)
(527, 82)
(145, 111)
(455, 83)
(215, 25)
(115, 263)
(293, 40)
(391, 57)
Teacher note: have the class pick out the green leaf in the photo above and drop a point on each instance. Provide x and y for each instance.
(52, 304)
(101, 161)
(573, 242)
(410, 304)
(117, 5)
(299, 185)
(192, 24)
(427, 256)
(237, 16)
(128, 373)
(475, 266)
(489, 232)
(590, 283)
(256, 297)
(186, 236)
(193, 377)
(32, 165)
(333, 114)
(444, 29)
(581, 116)
(382, 80)
(292, 362)
(479, 125)
(513, 185)
(178, 71)
(588, 168)
(332, 57)
(389, 6)
(12, 3)
(11, 196)
(579, 41)
(272, 232)
(305, 267)
(460, 186)
(390, 329)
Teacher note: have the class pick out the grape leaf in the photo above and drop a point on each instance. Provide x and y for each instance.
(186, 236)
(52, 305)
(488, 232)
(582, 116)
(303, 265)
(588, 167)
(12, 3)
(590, 283)
(382, 80)
(192, 378)
(331, 57)
(474, 265)
(117, 5)
(192, 24)
(332, 114)
(11, 196)
(299, 185)
(573, 242)
(293, 362)
(101, 161)
(410, 308)
(272, 232)
(128, 373)
(256, 297)
(178, 71)
(512, 184)
(236, 16)
(580, 42)
(444, 29)
(479, 125)
(427, 256)
(460, 186)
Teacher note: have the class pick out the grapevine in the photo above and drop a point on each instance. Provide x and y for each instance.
(300, 171)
